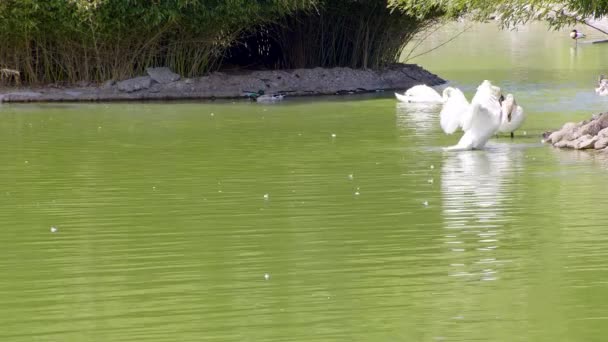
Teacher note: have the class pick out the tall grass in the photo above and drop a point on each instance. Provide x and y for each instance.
(67, 41)
(356, 34)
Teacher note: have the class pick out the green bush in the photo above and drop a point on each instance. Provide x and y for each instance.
(52, 41)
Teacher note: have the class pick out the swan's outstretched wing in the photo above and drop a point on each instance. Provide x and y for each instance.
(479, 125)
(483, 124)
(482, 119)
(453, 112)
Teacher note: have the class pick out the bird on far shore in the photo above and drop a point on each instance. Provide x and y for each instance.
(260, 96)
(574, 34)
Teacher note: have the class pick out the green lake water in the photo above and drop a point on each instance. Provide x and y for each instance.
(226, 221)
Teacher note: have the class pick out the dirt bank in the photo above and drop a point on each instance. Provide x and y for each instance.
(162, 84)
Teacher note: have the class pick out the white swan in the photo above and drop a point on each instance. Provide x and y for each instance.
(420, 94)
(482, 119)
(512, 115)
(454, 110)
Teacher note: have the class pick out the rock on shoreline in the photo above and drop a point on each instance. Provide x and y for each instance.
(163, 84)
(588, 134)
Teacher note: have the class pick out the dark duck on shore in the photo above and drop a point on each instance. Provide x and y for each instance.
(259, 96)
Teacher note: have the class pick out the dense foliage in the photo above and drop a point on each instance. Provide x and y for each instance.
(70, 40)
(357, 34)
(96, 40)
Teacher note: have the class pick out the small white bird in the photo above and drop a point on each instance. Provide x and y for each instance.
(574, 34)
(512, 115)
(53, 229)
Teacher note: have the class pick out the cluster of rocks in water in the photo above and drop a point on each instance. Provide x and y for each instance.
(163, 84)
(588, 134)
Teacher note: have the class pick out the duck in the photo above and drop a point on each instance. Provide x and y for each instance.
(574, 34)
(260, 96)
(252, 95)
(482, 118)
(421, 94)
(268, 98)
(512, 115)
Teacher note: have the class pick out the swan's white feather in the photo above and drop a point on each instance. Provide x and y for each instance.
(420, 94)
(482, 119)
(454, 110)
(515, 120)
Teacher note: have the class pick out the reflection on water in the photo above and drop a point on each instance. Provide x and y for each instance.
(422, 117)
(475, 191)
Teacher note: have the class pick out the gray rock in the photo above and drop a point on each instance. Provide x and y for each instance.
(73, 93)
(83, 84)
(603, 133)
(135, 84)
(566, 131)
(601, 143)
(585, 142)
(155, 88)
(108, 84)
(162, 75)
(24, 95)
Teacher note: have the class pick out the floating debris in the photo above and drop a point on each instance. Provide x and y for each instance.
(266, 197)
(351, 176)
(425, 203)
(432, 166)
(266, 276)
(333, 135)
(356, 193)
(53, 229)
(430, 181)
(212, 114)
